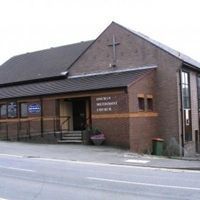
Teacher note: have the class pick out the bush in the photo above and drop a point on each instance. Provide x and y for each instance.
(172, 148)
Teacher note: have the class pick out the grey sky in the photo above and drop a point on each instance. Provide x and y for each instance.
(30, 25)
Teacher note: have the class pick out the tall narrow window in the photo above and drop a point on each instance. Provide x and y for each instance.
(186, 105)
(198, 91)
(186, 90)
(12, 109)
(150, 104)
(141, 104)
(3, 110)
(23, 110)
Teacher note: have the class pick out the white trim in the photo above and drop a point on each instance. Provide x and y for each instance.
(137, 161)
(144, 184)
(112, 72)
(64, 73)
(18, 169)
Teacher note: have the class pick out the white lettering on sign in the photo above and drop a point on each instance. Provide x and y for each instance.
(103, 98)
(105, 104)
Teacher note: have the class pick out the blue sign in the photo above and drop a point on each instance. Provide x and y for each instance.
(34, 108)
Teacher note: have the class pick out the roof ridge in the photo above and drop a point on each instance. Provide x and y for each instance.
(41, 50)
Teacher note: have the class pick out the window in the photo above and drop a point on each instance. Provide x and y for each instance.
(198, 91)
(23, 110)
(150, 104)
(186, 105)
(3, 111)
(141, 103)
(12, 109)
(186, 90)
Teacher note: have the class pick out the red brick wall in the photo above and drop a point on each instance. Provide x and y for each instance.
(142, 128)
(116, 130)
(166, 93)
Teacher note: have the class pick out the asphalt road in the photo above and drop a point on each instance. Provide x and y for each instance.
(39, 178)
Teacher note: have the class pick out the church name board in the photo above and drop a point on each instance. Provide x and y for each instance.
(34, 108)
(105, 103)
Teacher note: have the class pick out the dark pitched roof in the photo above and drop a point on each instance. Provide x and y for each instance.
(76, 84)
(41, 64)
(164, 47)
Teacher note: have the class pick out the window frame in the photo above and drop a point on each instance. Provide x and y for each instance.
(16, 110)
(150, 108)
(20, 110)
(6, 115)
(141, 109)
(198, 91)
(187, 85)
(187, 116)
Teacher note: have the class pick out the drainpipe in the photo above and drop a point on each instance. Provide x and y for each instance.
(181, 109)
(41, 117)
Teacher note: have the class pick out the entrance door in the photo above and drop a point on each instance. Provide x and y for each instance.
(79, 114)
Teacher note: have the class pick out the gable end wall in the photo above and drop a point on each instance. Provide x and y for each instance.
(134, 52)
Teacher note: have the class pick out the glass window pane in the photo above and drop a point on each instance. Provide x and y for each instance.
(198, 90)
(3, 111)
(186, 102)
(186, 90)
(24, 112)
(183, 77)
(141, 103)
(12, 109)
(150, 104)
(186, 78)
(198, 82)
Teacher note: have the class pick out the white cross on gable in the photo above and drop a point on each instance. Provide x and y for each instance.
(114, 44)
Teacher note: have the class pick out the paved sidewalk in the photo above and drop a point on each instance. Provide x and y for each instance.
(98, 154)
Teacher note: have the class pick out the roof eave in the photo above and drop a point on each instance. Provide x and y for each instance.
(191, 66)
(66, 93)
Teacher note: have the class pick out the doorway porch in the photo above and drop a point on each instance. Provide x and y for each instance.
(75, 116)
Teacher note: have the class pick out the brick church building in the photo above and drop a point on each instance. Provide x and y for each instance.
(125, 84)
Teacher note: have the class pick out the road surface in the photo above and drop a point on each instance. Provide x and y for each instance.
(24, 178)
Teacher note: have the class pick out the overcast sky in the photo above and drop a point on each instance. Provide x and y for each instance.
(30, 25)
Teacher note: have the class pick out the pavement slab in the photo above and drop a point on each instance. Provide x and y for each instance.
(98, 154)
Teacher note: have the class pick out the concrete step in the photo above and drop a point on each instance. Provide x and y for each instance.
(72, 134)
(71, 138)
(69, 141)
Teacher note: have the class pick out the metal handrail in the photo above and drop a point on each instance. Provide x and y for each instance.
(61, 126)
(88, 124)
(29, 127)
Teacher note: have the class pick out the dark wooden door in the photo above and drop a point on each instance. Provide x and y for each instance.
(79, 114)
